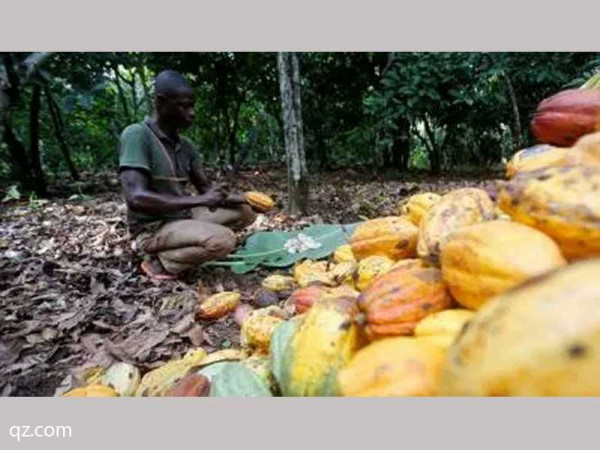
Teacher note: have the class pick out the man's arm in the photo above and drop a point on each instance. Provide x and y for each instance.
(139, 196)
(203, 184)
(199, 179)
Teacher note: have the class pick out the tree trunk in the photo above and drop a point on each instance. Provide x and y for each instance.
(134, 98)
(289, 83)
(233, 143)
(12, 77)
(322, 150)
(245, 150)
(435, 156)
(122, 98)
(58, 127)
(386, 157)
(9, 95)
(145, 87)
(218, 139)
(34, 140)
(401, 145)
(517, 132)
(21, 168)
(4, 94)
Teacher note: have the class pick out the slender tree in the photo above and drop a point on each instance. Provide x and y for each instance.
(289, 82)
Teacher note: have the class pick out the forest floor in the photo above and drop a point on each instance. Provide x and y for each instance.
(71, 295)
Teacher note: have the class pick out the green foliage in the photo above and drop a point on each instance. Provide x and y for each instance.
(459, 105)
(12, 194)
(402, 110)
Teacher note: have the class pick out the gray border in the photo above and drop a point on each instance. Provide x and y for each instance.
(303, 25)
(425, 423)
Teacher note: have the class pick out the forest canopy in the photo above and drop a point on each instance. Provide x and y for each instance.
(61, 113)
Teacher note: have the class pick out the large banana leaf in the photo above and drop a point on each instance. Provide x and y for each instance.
(271, 248)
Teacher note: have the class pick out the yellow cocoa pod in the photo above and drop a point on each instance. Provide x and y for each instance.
(394, 237)
(278, 283)
(344, 290)
(486, 259)
(443, 341)
(343, 254)
(370, 268)
(312, 272)
(93, 375)
(442, 327)
(307, 362)
(259, 201)
(413, 263)
(535, 158)
(562, 202)
(218, 305)
(417, 206)
(456, 209)
(94, 390)
(344, 273)
(539, 339)
(393, 367)
(586, 151)
(447, 322)
(227, 354)
(159, 381)
(257, 329)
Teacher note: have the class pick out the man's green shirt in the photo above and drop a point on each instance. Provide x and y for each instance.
(143, 146)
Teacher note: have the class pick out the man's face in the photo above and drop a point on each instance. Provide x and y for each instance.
(177, 109)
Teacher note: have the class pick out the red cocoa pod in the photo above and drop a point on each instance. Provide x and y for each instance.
(304, 298)
(192, 385)
(565, 117)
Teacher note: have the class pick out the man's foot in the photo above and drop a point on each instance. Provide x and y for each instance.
(154, 269)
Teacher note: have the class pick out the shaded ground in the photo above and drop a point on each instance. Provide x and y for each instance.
(71, 297)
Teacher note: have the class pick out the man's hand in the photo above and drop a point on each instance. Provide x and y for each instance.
(235, 199)
(216, 195)
(140, 197)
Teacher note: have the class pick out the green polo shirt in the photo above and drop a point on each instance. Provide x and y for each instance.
(143, 146)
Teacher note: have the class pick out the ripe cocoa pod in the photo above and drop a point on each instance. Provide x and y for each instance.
(565, 117)
(278, 283)
(192, 385)
(259, 201)
(218, 305)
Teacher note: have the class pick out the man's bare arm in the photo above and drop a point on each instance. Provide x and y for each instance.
(200, 180)
(203, 184)
(139, 196)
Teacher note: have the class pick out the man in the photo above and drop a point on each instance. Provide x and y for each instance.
(175, 230)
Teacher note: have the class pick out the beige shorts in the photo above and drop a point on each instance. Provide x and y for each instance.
(208, 235)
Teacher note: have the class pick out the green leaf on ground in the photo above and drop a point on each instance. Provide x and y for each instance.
(269, 249)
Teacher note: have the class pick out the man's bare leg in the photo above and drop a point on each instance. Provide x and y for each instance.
(153, 268)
